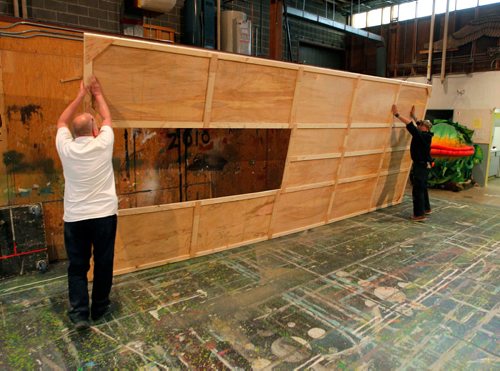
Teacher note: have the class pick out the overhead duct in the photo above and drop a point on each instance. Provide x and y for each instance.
(330, 23)
(160, 6)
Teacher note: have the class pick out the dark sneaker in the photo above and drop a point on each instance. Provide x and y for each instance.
(418, 218)
(82, 325)
(97, 314)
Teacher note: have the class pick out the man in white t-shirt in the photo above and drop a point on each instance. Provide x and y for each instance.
(90, 204)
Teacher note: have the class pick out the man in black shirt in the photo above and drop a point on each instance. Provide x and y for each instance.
(420, 149)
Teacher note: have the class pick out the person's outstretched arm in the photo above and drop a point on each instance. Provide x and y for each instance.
(403, 119)
(102, 106)
(71, 109)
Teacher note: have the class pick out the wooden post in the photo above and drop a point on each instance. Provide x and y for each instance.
(276, 29)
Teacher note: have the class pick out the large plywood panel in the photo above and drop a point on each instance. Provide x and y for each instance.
(149, 238)
(366, 139)
(399, 137)
(396, 160)
(227, 224)
(352, 198)
(412, 96)
(315, 103)
(390, 189)
(152, 85)
(252, 93)
(311, 172)
(355, 166)
(296, 210)
(306, 142)
(373, 101)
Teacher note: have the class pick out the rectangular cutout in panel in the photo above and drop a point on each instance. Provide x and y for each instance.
(311, 172)
(315, 103)
(354, 166)
(301, 209)
(352, 197)
(161, 166)
(317, 141)
(245, 92)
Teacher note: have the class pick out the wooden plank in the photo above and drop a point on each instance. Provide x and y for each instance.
(173, 92)
(146, 238)
(396, 160)
(389, 190)
(212, 73)
(317, 141)
(370, 94)
(316, 103)
(252, 93)
(360, 165)
(366, 139)
(309, 172)
(301, 209)
(352, 197)
(229, 223)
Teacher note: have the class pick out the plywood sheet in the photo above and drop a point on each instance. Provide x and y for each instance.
(365, 139)
(315, 98)
(252, 93)
(228, 224)
(311, 172)
(301, 209)
(316, 141)
(390, 189)
(352, 198)
(396, 160)
(148, 238)
(372, 100)
(357, 166)
(174, 92)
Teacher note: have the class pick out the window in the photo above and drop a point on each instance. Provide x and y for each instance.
(407, 11)
(374, 18)
(424, 8)
(441, 6)
(359, 20)
(386, 15)
(486, 2)
(465, 4)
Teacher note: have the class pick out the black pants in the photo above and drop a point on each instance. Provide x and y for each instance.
(419, 192)
(79, 237)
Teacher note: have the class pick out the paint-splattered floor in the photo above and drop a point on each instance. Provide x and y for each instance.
(375, 292)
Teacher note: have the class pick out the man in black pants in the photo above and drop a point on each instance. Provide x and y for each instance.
(90, 204)
(420, 149)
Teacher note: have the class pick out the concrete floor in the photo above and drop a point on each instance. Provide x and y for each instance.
(372, 292)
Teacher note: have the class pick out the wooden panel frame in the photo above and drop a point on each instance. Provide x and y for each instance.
(346, 156)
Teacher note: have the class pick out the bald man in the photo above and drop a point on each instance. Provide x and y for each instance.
(90, 204)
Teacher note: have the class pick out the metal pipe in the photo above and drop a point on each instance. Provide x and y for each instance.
(218, 24)
(18, 35)
(445, 41)
(431, 41)
(24, 7)
(16, 8)
(27, 23)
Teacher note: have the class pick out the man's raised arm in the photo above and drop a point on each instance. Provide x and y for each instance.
(102, 106)
(71, 109)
